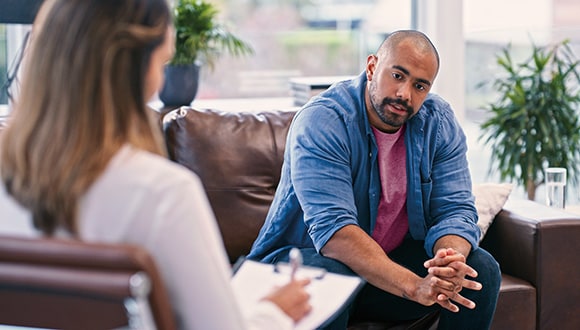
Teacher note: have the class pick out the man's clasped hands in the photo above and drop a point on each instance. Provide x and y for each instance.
(447, 272)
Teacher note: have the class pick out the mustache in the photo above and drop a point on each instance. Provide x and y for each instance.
(388, 100)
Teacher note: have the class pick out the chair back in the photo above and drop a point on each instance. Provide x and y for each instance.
(69, 284)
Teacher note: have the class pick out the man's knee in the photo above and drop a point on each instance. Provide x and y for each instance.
(488, 270)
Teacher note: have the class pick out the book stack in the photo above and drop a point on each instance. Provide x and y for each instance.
(304, 88)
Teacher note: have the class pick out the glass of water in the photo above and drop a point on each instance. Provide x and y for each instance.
(555, 187)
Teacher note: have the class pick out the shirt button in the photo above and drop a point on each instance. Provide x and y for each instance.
(370, 154)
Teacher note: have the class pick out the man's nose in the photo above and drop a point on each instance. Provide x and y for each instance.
(404, 92)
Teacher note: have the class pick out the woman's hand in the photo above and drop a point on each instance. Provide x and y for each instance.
(292, 299)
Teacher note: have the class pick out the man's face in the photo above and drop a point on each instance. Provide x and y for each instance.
(398, 83)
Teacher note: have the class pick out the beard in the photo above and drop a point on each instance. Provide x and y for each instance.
(386, 116)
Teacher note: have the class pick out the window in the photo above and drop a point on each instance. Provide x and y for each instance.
(12, 38)
(538, 21)
(297, 38)
(14, 19)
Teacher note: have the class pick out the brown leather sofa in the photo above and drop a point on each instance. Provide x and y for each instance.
(238, 156)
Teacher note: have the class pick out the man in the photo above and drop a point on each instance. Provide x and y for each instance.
(375, 182)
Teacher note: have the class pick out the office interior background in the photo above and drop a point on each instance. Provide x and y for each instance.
(295, 38)
(331, 38)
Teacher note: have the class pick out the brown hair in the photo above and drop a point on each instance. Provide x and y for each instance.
(82, 98)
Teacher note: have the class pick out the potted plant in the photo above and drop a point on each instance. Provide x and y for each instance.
(534, 122)
(200, 39)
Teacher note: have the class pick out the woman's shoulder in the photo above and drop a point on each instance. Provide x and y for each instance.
(136, 191)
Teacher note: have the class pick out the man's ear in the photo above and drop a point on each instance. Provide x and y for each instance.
(371, 65)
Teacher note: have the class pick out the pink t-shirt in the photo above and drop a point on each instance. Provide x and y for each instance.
(392, 220)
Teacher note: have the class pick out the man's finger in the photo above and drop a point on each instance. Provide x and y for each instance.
(473, 285)
(446, 287)
(444, 261)
(447, 304)
(463, 268)
(443, 271)
(463, 301)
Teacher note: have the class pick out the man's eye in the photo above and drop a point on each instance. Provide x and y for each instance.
(397, 76)
(420, 87)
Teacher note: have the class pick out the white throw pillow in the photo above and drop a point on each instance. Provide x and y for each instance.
(489, 200)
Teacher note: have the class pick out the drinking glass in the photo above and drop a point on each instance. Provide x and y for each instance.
(555, 187)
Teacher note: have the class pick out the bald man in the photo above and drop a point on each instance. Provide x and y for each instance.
(375, 182)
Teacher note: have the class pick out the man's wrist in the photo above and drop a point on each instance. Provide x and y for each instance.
(409, 290)
(457, 243)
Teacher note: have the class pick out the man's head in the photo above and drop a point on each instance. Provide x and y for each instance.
(400, 76)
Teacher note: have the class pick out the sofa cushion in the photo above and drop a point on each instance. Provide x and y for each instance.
(238, 156)
(489, 200)
(516, 305)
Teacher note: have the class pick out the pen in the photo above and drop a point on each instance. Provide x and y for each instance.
(295, 262)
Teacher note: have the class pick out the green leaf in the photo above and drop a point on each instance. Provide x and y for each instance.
(200, 37)
(534, 120)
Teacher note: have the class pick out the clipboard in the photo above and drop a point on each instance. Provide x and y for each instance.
(330, 293)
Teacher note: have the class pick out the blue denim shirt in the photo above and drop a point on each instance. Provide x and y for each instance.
(330, 175)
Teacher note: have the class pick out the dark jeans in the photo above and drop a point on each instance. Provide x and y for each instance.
(373, 304)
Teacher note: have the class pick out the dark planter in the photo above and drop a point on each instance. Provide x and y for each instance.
(181, 82)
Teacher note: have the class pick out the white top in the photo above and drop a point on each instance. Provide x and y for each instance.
(144, 199)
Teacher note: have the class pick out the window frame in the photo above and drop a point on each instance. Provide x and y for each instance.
(15, 35)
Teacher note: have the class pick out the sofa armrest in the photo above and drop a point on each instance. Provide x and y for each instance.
(541, 245)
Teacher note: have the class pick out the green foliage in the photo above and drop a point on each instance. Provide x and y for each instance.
(534, 122)
(200, 37)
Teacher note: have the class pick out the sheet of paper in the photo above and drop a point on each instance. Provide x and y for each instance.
(328, 291)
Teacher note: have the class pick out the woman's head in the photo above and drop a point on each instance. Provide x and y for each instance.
(91, 67)
(101, 49)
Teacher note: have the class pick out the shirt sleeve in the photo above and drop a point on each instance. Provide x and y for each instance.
(451, 206)
(321, 172)
(189, 251)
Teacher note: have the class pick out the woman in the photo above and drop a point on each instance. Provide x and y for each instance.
(81, 158)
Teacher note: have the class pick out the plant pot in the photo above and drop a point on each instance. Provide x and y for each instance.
(181, 83)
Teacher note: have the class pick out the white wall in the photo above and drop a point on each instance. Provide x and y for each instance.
(442, 21)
